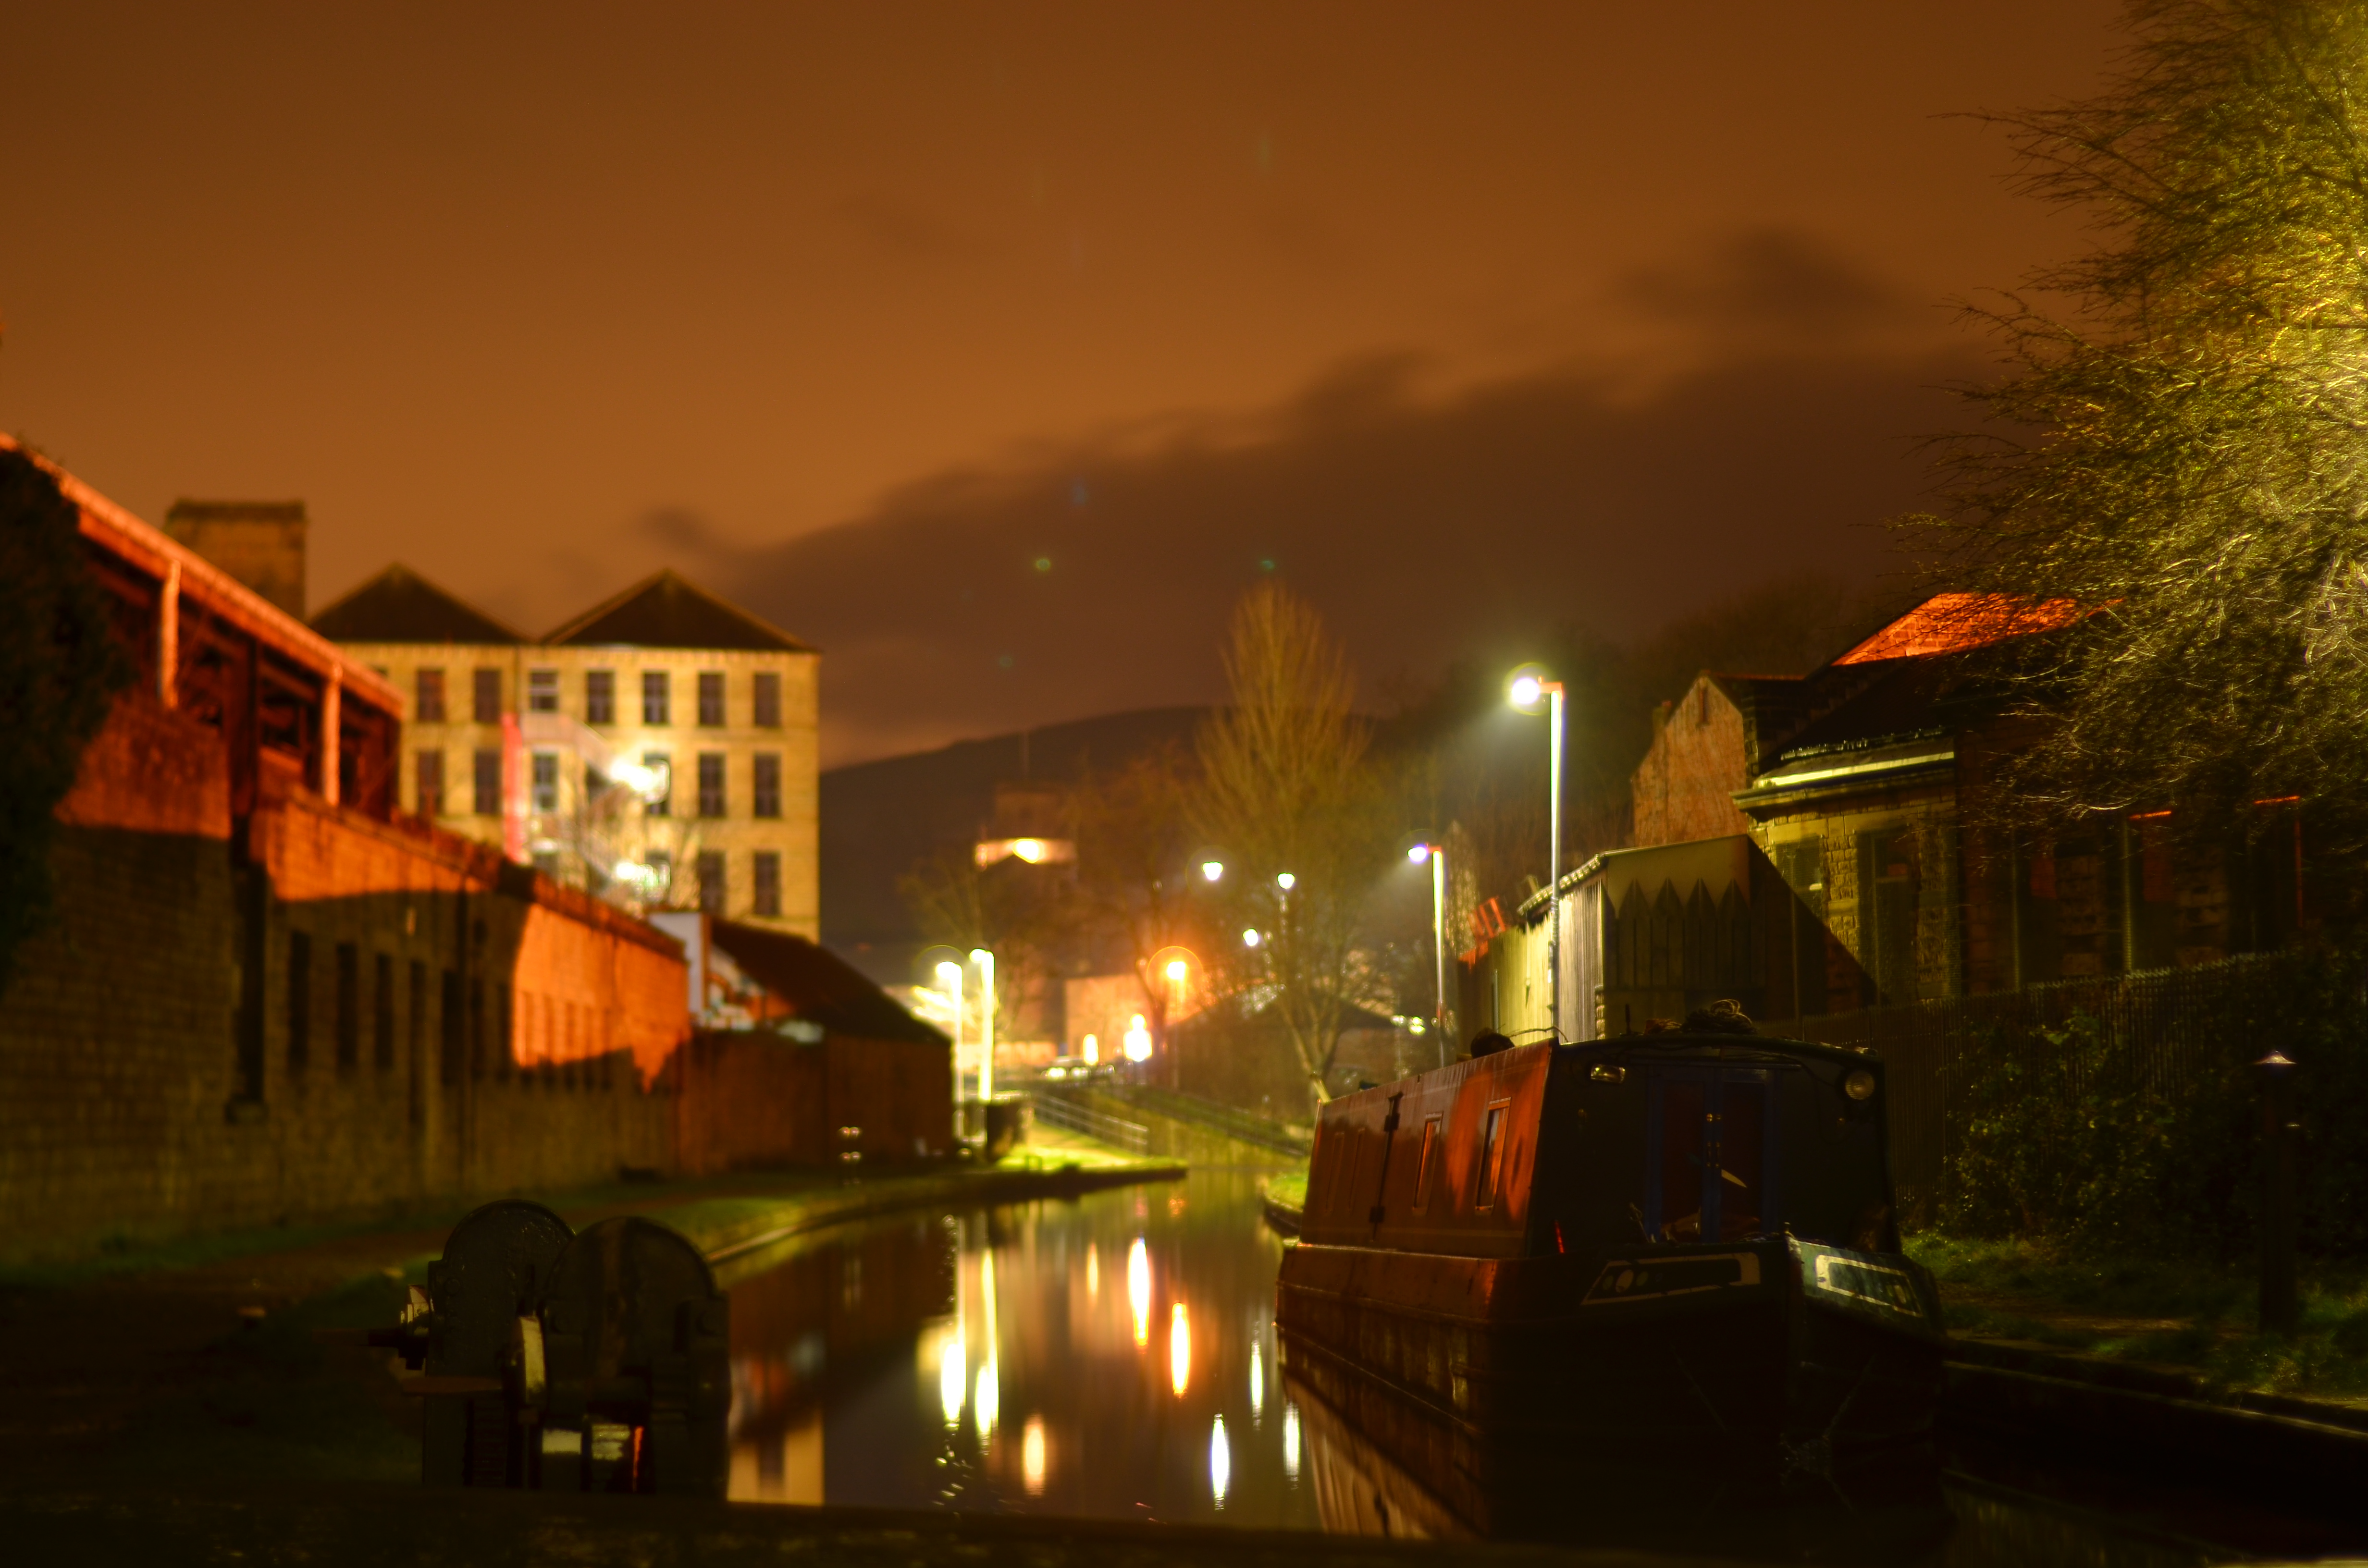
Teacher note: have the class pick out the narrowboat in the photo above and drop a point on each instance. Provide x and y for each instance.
(1642, 1270)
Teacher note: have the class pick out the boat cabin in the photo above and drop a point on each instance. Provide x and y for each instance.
(1672, 1138)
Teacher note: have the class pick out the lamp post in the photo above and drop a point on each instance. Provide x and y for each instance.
(1525, 691)
(1437, 855)
(985, 962)
(950, 976)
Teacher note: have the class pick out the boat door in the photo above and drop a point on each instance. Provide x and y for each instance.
(1709, 1153)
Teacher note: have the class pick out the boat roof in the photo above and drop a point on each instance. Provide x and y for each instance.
(1671, 1039)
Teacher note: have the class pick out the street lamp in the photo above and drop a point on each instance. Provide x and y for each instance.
(1437, 855)
(985, 962)
(950, 976)
(1527, 688)
(1211, 870)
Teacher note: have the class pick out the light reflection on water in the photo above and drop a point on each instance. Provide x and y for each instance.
(974, 1362)
(977, 1363)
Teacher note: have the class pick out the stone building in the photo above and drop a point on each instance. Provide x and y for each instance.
(659, 750)
(1859, 864)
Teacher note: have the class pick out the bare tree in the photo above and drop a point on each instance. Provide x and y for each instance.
(2175, 467)
(1014, 910)
(1137, 883)
(1289, 789)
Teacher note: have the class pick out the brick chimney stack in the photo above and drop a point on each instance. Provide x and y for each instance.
(261, 543)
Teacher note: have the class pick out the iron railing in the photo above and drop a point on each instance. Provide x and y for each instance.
(1070, 1117)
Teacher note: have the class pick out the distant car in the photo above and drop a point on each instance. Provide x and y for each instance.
(1072, 1067)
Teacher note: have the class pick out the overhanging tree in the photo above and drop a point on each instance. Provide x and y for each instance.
(2181, 453)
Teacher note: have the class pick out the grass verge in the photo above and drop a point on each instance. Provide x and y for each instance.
(2196, 1315)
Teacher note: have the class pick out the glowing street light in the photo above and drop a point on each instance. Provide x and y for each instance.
(1211, 870)
(1176, 971)
(1138, 1040)
(949, 975)
(1437, 856)
(1526, 688)
(1285, 880)
(985, 962)
(1250, 938)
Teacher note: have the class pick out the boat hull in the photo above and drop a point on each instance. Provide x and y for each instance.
(1733, 1374)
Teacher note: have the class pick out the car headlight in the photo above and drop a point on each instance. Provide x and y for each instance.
(1860, 1084)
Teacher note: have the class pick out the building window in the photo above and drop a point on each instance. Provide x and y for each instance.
(710, 699)
(767, 802)
(383, 1013)
(711, 784)
(489, 781)
(546, 782)
(427, 703)
(769, 700)
(658, 701)
(542, 691)
(599, 697)
(711, 884)
(765, 884)
(485, 696)
(350, 1006)
(300, 1000)
(428, 783)
(662, 764)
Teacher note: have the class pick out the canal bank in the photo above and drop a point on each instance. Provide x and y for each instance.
(207, 1361)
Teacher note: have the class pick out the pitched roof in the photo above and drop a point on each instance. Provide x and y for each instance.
(818, 985)
(401, 605)
(667, 611)
(1951, 623)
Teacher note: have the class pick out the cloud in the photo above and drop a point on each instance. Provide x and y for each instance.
(1769, 283)
(1097, 576)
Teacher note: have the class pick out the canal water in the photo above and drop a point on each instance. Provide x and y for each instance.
(1114, 1357)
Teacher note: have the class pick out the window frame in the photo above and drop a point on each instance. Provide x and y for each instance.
(485, 683)
(764, 792)
(765, 884)
(599, 697)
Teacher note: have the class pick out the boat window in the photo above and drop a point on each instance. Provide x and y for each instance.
(1683, 1115)
(1422, 1165)
(1492, 1154)
(1742, 1162)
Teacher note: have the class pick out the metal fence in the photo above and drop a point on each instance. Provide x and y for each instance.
(1215, 1117)
(1070, 1117)
(2161, 1030)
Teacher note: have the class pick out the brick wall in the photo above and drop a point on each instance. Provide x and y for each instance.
(305, 1014)
(1684, 788)
(752, 1100)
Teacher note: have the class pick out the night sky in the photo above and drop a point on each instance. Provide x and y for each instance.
(993, 348)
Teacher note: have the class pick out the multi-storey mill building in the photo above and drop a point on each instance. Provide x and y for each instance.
(659, 749)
